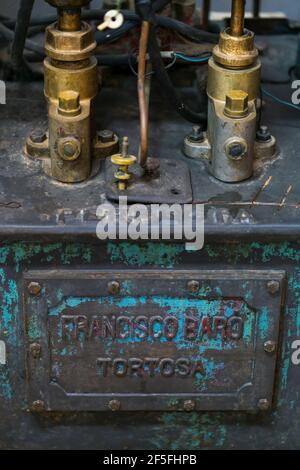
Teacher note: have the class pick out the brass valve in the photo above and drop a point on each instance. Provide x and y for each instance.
(124, 161)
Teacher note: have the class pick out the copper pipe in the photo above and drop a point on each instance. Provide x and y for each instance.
(142, 93)
(237, 18)
(69, 19)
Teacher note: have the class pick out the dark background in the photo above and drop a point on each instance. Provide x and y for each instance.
(290, 7)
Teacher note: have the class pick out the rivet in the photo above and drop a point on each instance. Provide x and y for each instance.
(34, 288)
(38, 406)
(263, 404)
(189, 405)
(273, 287)
(114, 405)
(270, 346)
(35, 350)
(113, 287)
(193, 286)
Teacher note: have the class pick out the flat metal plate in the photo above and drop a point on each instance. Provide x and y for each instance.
(154, 345)
(171, 185)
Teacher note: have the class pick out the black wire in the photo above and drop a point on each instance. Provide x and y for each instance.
(20, 35)
(166, 85)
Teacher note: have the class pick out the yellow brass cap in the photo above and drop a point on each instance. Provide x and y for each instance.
(122, 160)
(236, 104)
(68, 103)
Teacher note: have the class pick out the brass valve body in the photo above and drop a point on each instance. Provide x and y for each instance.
(71, 84)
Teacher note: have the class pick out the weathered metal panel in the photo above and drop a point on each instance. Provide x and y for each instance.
(152, 340)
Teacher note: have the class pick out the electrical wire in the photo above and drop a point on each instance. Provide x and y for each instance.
(279, 100)
(21, 29)
(192, 59)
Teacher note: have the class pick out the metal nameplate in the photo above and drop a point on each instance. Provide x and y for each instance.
(152, 340)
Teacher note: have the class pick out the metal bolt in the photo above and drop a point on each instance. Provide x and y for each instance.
(193, 286)
(263, 404)
(236, 104)
(105, 136)
(69, 103)
(69, 148)
(263, 134)
(35, 350)
(273, 287)
(114, 405)
(38, 406)
(34, 288)
(236, 150)
(270, 346)
(38, 136)
(196, 135)
(113, 287)
(189, 405)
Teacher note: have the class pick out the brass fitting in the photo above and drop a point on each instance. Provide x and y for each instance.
(236, 105)
(69, 103)
(124, 161)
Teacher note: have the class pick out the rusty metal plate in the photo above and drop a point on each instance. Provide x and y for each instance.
(152, 340)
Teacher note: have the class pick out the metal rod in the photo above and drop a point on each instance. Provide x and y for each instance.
(69, 19)
(205, 13)
(256, 8)
(237, 18)
(142, 93)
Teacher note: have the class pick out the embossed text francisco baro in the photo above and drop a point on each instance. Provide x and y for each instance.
(158, 328)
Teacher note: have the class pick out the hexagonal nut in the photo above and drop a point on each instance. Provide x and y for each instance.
(69, 103)
(68, 148)
(236, 148)
(69, 45)
(38, 406)
(236, 104)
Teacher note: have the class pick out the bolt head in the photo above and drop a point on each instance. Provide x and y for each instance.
(38, 406)
(34, 288)
(114, 405)
(189, 405)
(193, 286)
(273, 287)
(263, 134)
(38, 136)
(68, 103)
(105, 136)
(196, 135)
(236, 103)
(113, 287)
(236, 150)
(69, 148)
(35, 350)
(270, 346)
(263, 404)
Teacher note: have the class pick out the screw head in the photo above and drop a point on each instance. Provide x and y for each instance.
(113, 287)
(34, 288)
(114, 405)
(263, 404)
(193, 286)
(189, 405)
(105, 136)
(273, 287)
(270, 346)
(35, 350)
(38, 406)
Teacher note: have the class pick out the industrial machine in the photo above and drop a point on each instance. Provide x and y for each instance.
(137, 339)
